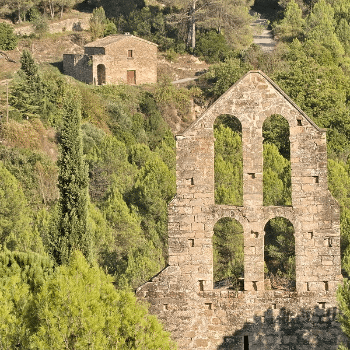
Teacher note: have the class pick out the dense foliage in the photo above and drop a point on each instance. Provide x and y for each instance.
(71, 233)
(8, 39)
(73, 306)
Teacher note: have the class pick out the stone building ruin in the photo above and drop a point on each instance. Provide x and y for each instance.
(114, 59)
(182, 295)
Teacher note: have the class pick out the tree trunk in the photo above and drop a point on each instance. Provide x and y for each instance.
(191, 39)
(19, 13)
(52, 9)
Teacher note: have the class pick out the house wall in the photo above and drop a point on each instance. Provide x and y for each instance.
(144, 61)
(182, 295)
(114, 57)
(78, 67)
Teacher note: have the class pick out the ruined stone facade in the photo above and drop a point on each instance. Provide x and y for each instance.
(114, 59)
(182, 295)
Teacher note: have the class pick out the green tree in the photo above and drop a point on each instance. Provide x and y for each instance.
(97, 23)
(20, 7)
(231, 17)
(73, 186)
(320, 28)
(67, 4)
(276, 177)
(8, 39)
(80, 308)
(15, 218)
(228, 249)
(75, 305)
(27, 90)
(100, 26)
(228, 166)
(212, 47)
(276, 131)
(21, 278)
(339, 185)
(321, 89)
(343, 34)
(292, 24)
(280, 250)
(222, 76)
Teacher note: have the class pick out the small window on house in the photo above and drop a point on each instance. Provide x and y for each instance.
(190, 182)
(299, 123)
(201, 285)
(130, 54)
(326, 286)
(322, 304)
(255, 286)
(255, 234)
(327, 242)
(208, 306)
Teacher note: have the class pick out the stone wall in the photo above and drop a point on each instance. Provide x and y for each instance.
(70, 24)
(78, 67)
(182, 295)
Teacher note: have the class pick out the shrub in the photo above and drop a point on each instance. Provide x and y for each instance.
(40, 25)
(33, 14)
(8, 39)
(212, 47)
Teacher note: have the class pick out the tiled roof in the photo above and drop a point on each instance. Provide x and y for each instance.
(111, 39)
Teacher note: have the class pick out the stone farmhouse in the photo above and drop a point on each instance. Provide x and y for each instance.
(183, 296)
(114, 59)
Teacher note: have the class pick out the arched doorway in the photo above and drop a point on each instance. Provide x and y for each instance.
(228, 254)
(279, 254)
(101, 74)
(277, 170)
(228, 163)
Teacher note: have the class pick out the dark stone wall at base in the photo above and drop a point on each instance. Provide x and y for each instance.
(222, 319)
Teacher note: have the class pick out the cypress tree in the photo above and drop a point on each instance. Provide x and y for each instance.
(73, 186)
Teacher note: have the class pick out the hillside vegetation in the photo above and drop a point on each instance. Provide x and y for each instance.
(125, 150)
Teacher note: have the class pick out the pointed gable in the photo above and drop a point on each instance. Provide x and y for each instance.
(253, 97)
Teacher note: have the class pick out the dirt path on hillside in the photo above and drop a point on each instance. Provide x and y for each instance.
(262, 35)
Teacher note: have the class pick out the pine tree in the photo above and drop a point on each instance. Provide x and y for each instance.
(73, 186)
(27, 91)
(97, 23)
(292, 24)
(320, 28)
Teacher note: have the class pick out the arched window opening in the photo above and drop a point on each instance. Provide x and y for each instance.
(277, 169)
(279, 254)
(228, 164)
(228, 254)
(101, 74)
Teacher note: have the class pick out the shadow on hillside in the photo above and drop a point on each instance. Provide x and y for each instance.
(269, 9)
(281, 329)
(58, 65)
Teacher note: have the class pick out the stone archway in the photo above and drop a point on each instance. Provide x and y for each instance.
(101, 74)
(279, 254)
(228, 254)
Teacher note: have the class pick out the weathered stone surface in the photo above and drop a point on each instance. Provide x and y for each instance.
(114, 59)
(200, 317)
